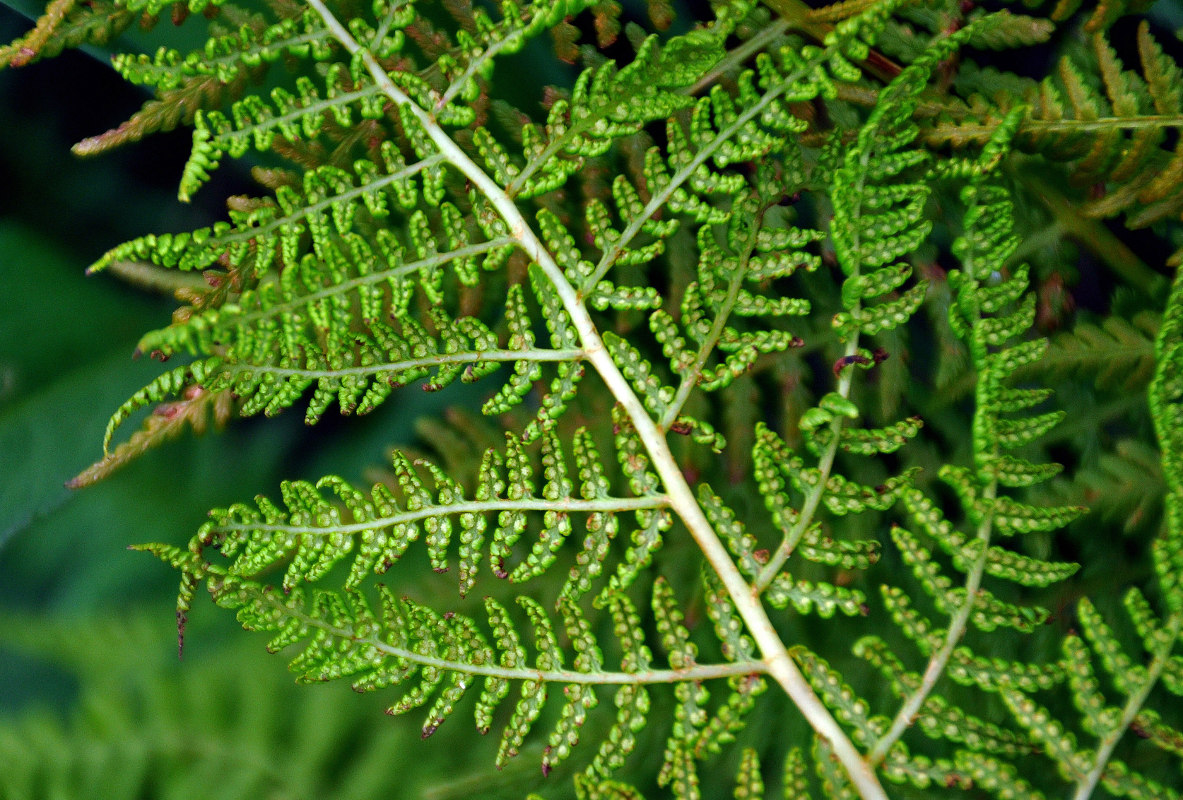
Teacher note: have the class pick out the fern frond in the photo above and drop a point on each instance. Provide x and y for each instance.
(427, 232)
(877, 213)
(805, 596)
(196, 406)
(311, 534)
(1086, 767)
(208, 78)
(776, 466)
(833, 690)
(139, 726)
(749, 782)
(66, 24)
(986, 312)
(1112, 132)
(606, 104)
(223, 56)
(1118, 354)
(437, 657)
(1124, 487)
(279, 342)
(172, 107)
(698, 733)
(269, 233)
(1132, 677)
(877, 220)
(1166, 408)
(878, 199)
(997, 777)
(320, 326)
(939, 718)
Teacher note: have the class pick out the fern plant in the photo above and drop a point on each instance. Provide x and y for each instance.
(722, 289)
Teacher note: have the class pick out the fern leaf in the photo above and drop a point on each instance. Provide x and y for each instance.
(1119, 354)
(870, 441)
(590, 789)
(1166, 406)
(651, 522)
(377, 527)
(820, 597)
(940, 719)
(994, 776)
(637, 370)
(834, 783)
(743, 545)
(1150, 725)
(436, 657)
(1101, 720)
(272, 356)
(632, 704)
(701, 733)
(1058, 743)
(195, 409)
(189, 383)
(65, 24)
(986, 317)
(736, 644)
(426, 232)
(922, 772)
(989, 674)
(1104, 133)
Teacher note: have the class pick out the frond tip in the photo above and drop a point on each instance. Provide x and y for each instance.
(195, 408)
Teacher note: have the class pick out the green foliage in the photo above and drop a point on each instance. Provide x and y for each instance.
(766, 477)
(143, 726)
(1109, 122)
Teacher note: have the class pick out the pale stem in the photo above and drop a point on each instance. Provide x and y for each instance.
(569, 505)
(439, 359)
(940, 659)
(813, 498)
(690, 376)
(698, 672)
(1133, 705)
(780, 665)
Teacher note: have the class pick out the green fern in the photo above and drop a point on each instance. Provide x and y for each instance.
(988, 311)
(1133, 678)
(148, 727)
(699, 289)
(65, 24)
(1119, 354)
(1110, 125)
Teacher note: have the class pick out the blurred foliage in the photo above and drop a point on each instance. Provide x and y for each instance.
(139, 724)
